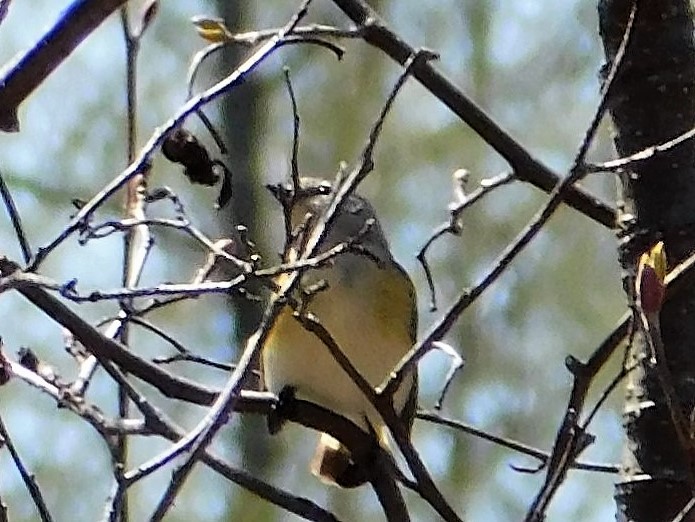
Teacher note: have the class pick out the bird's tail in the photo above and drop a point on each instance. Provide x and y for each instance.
(332, 463)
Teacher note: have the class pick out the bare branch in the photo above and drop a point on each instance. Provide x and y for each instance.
(74, 25)
(141, 163)
(455, 225)
(200, 437)
(525, 449)
(524, 165)
(557, 467)
(15, 219)
(28, 478)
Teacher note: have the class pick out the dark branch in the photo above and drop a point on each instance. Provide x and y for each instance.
(524, 165)
(74, 25)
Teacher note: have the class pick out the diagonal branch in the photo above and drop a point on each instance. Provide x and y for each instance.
(561, 460)
(74, 25)
(142, 162)
(525, 167)
(27, 477)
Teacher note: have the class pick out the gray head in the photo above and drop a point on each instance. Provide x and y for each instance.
(355, 218)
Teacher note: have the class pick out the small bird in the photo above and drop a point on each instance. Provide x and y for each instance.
(367, 303)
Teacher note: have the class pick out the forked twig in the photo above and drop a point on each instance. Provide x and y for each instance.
(455, 225)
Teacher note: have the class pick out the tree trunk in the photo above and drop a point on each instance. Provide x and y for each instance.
(241, 125)
(652, 103)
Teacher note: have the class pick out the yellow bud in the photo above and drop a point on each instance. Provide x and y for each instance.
(656, 259)
(651, 274)
(211, 29)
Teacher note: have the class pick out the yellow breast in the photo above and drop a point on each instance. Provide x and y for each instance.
(369, 312)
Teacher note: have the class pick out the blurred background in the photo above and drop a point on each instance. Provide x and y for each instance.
(533, 66)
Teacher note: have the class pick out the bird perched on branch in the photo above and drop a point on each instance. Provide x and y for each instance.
(366, 302)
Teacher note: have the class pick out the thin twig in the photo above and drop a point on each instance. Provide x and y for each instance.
(143, 160)
(682, 515)
(107, 228)
(453, 226)
(469, 296)
(27, 478)
(201, 56)
(89, 365)
(649, 153)
(525, 449)
(184, 354)
(624, 372)
(294, 163)
(77, 405)
(527, 168)
(106, 349)
(565, 448)
(200, 437)
(16, 220)
(137, 242)
(456, 363)
(253, 38)
(180, 290)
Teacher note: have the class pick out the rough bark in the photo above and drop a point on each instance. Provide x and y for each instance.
(652, 103)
